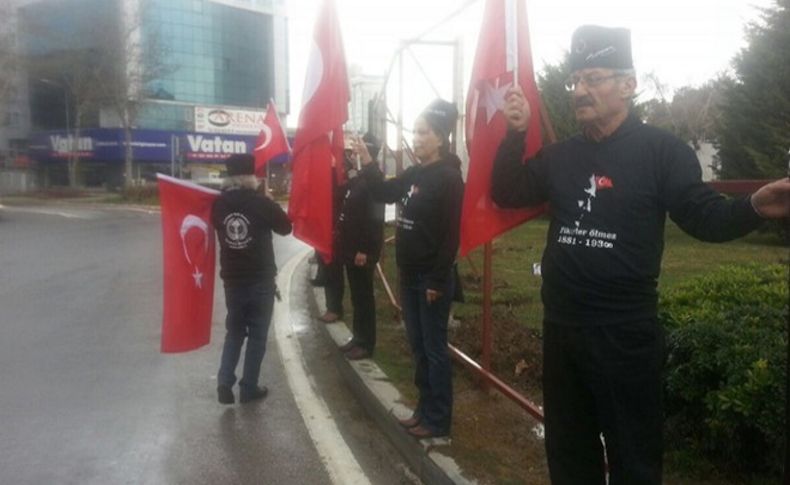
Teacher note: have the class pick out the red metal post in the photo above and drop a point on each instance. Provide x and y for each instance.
(737, 186)
(485, 358)
(387, 288)
(493, 380)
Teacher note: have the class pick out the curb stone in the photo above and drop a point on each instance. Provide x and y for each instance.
(384, 403)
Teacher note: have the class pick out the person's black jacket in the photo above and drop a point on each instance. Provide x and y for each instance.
(360, 226)
(428, 232)
(244, 221)
(608, 203)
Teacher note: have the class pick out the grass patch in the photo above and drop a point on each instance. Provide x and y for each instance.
(493, 440)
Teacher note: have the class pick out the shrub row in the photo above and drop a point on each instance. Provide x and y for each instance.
(727, 364)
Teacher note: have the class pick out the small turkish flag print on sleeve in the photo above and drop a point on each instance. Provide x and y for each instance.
(603, 182)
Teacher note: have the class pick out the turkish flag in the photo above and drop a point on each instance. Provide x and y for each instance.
(503, 48)
(318, 146)
(271, 141)
(189, 261)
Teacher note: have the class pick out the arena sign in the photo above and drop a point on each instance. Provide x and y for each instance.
(228, 120)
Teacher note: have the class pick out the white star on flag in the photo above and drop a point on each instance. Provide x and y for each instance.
(198, 278)
(492, 98)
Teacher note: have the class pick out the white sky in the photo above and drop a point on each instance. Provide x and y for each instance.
(685, 42)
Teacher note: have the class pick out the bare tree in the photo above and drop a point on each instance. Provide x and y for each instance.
(690, 113)
(129, 64)
(9, 58)
(660, 107)
(10, 74)
(110, 66)
(76, 73)
(71, 65)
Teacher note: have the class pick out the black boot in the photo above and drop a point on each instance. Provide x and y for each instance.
(256, 394)
(225, 395)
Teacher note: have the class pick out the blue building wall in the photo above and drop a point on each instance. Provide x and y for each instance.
(220, 55)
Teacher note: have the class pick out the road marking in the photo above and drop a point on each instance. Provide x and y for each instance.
(48, 212)
(335, 454)
(131, 208)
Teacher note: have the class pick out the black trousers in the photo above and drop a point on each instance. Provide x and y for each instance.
(334, 287)
(606, 380)
(360, 282)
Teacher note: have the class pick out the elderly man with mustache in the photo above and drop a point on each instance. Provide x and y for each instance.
(610, 189)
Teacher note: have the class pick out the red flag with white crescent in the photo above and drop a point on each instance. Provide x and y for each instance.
(503, 50)
(271, 141)
(318, 146)
(189, 262)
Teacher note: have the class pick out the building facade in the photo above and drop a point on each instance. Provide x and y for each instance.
(14, 109)
(189, 86)
(366, 104)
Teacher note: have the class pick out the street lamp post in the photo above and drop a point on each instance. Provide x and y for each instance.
(73, 143)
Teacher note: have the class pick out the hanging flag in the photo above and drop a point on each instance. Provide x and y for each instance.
(318, 146)
(189, 261)
(503, 55)
(271, 141)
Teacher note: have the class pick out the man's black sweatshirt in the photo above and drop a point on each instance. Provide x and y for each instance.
(608, 203)
(428, 232)
(360, 225)
(244, 221)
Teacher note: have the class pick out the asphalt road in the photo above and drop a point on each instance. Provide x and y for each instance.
(85, 395)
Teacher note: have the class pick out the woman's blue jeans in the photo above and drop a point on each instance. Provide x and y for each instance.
(426, 326)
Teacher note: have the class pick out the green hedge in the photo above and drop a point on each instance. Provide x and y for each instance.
(727, 354)
(141, 194)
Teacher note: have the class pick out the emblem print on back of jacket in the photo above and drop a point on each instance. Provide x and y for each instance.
(237, 228)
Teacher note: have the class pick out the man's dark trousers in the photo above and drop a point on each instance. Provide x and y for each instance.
(603, 379)
(334, 287)
(360, 282)
(249, 315)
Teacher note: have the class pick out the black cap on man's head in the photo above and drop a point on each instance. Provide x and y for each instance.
(596, 46)
(240, 164)
(441, 116)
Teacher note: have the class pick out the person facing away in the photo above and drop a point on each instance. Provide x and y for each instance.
(609, 189)
(359, 237)
(244, 220)
(430, 196)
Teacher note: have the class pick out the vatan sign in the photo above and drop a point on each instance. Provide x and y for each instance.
(103, 144)
(228, 121)
(214, 148)
(108, 145)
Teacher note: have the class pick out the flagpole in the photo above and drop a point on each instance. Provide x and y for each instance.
(512, 13)
(279, 122)
(266, 181)
(787, 370)
(511, 36)
(285, 137)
